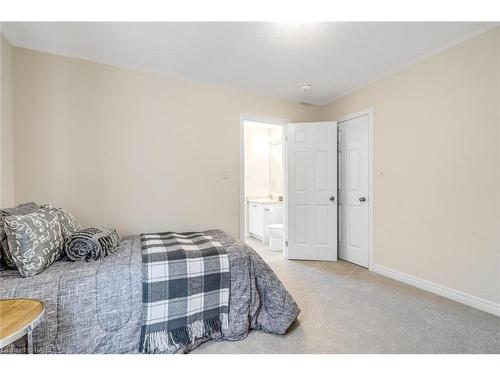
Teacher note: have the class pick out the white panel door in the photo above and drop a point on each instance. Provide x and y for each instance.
(312, 191)
(353, 190)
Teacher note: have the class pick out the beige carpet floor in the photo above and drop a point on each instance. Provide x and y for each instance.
(347, 309)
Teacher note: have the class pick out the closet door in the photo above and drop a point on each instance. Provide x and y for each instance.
(353, 190)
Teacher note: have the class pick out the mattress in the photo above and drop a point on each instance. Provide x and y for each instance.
(95, 307)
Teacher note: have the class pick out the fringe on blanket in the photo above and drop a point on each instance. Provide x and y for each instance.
(172, 340)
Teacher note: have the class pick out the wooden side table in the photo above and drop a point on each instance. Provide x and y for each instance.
(18, 317)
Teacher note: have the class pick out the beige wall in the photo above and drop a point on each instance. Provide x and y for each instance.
(6, 126)
(2, 77)
(128, 149)
(436, 134)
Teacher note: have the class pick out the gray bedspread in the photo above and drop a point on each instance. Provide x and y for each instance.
(95, 307)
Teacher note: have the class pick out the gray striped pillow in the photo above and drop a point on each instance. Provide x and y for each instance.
(91, 243)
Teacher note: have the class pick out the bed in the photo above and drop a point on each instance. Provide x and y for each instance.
(95, 307)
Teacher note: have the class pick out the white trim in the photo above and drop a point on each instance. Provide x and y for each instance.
(443, 291)
(257, 118)
(367, 112)
(285, 188)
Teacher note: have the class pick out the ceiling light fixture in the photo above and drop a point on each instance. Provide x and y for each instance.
(305, 88)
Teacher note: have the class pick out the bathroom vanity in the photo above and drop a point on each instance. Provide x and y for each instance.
(262, 212)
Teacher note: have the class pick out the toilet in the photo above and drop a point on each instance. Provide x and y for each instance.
(275, 232)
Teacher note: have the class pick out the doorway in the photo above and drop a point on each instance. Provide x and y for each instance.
(355, 195)
(262, 189)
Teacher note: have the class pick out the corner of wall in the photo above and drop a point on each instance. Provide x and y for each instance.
(1, 113)
(7, 197)
(473, 63)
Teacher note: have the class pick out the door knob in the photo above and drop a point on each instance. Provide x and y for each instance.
(362, 199)
(332, 198)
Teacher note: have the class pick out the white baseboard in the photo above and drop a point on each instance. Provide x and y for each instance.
(455, 295)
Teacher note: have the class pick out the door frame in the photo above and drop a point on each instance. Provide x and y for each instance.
(371, 197)
(268, 120)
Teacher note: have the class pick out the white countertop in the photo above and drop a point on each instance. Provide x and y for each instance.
(264, 201)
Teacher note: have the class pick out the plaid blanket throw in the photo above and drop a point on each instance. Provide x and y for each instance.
(185, 290)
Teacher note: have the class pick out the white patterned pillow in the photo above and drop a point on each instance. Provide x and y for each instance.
(69, 224)
(22, 209)
(35, 240)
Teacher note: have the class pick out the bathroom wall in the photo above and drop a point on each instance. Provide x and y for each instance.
(256, 161)
(263, 161)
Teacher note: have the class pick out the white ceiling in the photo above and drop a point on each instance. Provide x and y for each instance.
(268, 58)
